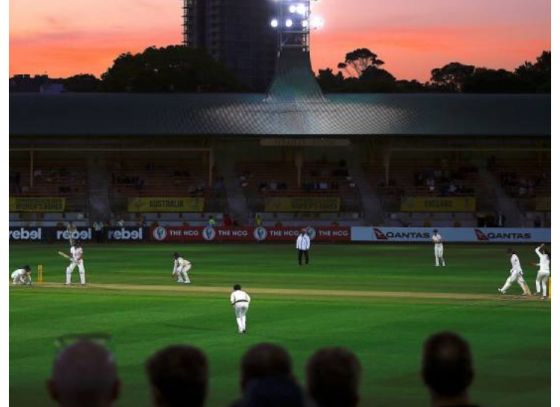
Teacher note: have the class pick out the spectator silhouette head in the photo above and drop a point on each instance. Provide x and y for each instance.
(333, 376)
(447, 369)
(178, 376)
(84, 374)
(265, 360)
(273, 392)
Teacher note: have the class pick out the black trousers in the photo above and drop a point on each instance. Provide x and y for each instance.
(303, 253)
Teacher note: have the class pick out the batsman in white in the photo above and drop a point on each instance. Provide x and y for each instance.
(76, 259)
(180, 269)
(240, 301)
(22, 276)
(516, 274)
(544, 270)
(438, 248)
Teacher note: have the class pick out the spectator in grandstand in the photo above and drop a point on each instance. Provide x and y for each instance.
(178, 376)
(267, 368)
(227, 220)
(333, 377)
(303, 244)
(211, 221)
(258, 220)
(84, 374)
(447, 369)
(120, 222)
(98, 230)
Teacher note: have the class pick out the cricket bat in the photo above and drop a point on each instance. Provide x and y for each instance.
(64, 255)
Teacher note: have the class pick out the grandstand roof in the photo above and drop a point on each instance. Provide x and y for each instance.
(256, 114)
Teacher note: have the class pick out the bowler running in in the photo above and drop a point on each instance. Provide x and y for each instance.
(438, 248)
(22, 276)
(516, 274)
(240, 301)
(180, 269)
(544, 270)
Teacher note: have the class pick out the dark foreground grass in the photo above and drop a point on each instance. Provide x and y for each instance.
(510, 338)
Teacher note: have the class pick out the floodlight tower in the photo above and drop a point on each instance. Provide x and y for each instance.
(293, 23)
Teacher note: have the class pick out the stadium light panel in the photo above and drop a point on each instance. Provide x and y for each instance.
(274, 23)
(301, 9)
(292, 8)
(317, 22)
(289, 23)
(304, 23)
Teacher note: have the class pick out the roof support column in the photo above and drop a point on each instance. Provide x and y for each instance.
(210, 167)
(31, 163)
(299, 164)
(387, 164)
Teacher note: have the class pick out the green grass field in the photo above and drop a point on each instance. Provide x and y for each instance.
(510, 336)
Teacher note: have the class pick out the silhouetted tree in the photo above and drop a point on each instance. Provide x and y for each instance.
(330, 82)
(485, 80)
(452, 76)
(360, 60)
(170, 69)
(81, 83)
(537, 76)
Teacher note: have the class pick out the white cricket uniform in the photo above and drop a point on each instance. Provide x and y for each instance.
(20, 276)
(544, 272)
(180, 269)
(438, 249)
(240, 301)
(76, 254)
(516, 274)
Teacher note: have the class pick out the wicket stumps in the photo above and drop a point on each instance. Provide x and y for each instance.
(40, 274)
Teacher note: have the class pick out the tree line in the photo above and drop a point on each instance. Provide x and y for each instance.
(180, 69)
(361, 71)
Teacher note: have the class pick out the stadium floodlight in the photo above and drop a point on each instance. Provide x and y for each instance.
(317, 22)
(301, 9)
(293, 21)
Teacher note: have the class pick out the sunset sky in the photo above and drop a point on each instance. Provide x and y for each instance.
(66, 37)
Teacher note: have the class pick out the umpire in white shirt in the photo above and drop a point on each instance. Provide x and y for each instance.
(303, 244)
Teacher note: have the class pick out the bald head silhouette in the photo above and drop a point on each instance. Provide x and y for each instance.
(84, 374)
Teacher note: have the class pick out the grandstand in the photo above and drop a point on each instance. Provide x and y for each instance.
(293, 156)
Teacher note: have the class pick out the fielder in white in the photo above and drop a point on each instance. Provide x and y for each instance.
(544, 270)
(22, 276)
(438, 248)
(180, 269)
(516, 274)
(76, 259)
(240, 301)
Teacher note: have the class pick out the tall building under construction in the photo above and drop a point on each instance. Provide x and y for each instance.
(236, 33)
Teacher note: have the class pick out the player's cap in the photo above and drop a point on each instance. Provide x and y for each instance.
(237, 287)
(175, 254)
(77, 243)
(435, 230)
(27, 267)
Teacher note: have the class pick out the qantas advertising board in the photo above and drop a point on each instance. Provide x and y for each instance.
(467, 235)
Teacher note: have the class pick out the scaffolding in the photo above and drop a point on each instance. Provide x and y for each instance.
(189, 16)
